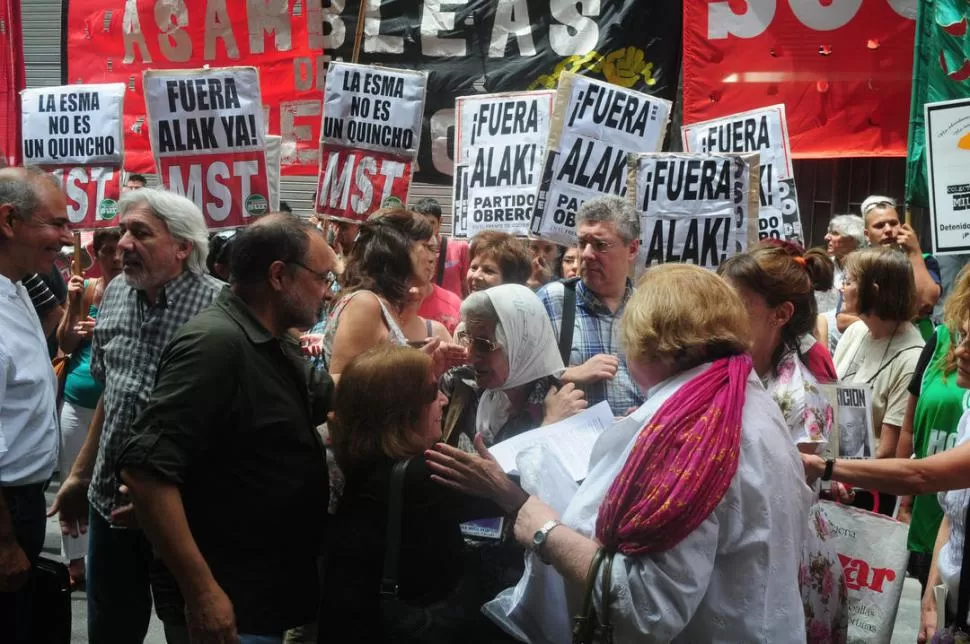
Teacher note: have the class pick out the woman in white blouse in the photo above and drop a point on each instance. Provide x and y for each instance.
(699, 493)
(947, 472)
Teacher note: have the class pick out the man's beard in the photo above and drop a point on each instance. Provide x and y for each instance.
(298, 313)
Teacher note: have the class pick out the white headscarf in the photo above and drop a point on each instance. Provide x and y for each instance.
(525, 332)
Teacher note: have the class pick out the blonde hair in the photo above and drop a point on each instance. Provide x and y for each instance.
(684, 315)
(956, 312)
(378, 404)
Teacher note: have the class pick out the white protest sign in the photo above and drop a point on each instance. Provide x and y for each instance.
(595, 126)
(764, 131)
(948, 172)
(73, 125)
(500, 140)
(372, 118)
(694, 209)
(207, 134)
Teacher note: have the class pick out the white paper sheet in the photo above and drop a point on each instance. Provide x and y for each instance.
(570, 440)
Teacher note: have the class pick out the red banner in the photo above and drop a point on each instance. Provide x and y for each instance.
(114, 40)
(11, 80)
(213, 181)
(354, 183)
(842, 68)
(92, 195)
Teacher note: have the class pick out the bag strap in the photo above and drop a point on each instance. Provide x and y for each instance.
(439, 274)
(963, 594)
(583, 621)
(568, 319)
(392, 548)
(891, 360)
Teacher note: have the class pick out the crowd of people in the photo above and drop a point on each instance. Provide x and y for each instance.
(276, 434)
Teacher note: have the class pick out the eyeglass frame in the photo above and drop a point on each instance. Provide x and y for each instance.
(329, 277)
(467, 340)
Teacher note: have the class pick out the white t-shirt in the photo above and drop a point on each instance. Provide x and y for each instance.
(887, 365)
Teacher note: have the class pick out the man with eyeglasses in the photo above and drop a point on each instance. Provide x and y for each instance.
(164, 284)
(230, 434)
(33, 228)
(608, 230)
(884, 228)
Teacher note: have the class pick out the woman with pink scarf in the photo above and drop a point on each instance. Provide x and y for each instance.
(698, 495)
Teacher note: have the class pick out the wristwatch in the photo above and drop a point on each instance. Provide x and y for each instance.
(541, 535)
(827, 474)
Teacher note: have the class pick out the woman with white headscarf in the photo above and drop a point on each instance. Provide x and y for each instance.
(512, 384)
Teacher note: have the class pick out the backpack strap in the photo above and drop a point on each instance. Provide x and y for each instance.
(568, 319)
(392, 547)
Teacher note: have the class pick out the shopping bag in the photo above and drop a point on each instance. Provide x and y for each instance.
(872, 550)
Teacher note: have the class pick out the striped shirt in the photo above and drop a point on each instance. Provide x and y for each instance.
(596, 330)
(41, 296)
(125, 352)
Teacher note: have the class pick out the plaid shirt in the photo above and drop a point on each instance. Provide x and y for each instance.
(127, 346)
(596, 331)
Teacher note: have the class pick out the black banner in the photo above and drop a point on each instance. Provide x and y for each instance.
(486, 46)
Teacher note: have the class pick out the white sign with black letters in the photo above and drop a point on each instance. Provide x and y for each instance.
(694, 209)
(73, 125)
(500, 140)
(595, 127)
(374, 108)
(948, 174)
(764, 131)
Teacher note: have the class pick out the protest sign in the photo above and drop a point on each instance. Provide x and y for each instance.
(474, 46)
(73, 125)
(207, 133)
(500, 140)
(948, 159)
(369, 139)
(92, 195)
(853, 434)
(694, 208)
(764, 131)
(594, 127)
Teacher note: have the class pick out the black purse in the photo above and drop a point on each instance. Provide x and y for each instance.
(590, 626)
(50, 603)
(437, 623)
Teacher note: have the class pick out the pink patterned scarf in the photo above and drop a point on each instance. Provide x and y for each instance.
(681, 465)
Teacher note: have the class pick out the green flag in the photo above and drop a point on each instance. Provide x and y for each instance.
(941, 72)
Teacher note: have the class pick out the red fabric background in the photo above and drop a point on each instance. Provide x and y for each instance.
(96, 51)
(12, 79)
(852, 101)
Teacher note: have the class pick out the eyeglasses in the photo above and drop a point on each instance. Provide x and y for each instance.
(480, 345)
(329, 277)
(599, 245)
(878, 204)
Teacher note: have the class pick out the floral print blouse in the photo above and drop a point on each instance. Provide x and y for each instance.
(807, 412)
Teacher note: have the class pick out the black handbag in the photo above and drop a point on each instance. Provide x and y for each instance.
(590, 626)
(50, 603)
(436, 623)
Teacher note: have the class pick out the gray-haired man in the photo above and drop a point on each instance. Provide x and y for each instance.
(608, 230)
(164, 245)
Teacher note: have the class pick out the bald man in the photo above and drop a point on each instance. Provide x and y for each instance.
(225, 460)
(33, 229)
